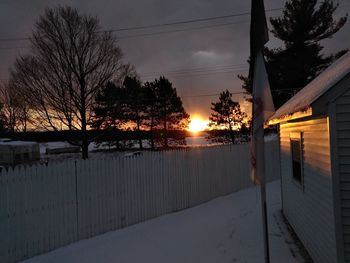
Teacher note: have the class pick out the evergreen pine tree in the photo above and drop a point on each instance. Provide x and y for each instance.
(136, 105)
(168, 111)
(151, 109)
(109, 110)
(227, 117)
(302, 26)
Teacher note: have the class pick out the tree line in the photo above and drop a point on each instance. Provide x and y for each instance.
(152, 106)
(75, 78)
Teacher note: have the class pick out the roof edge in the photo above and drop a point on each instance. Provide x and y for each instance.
(296, 115)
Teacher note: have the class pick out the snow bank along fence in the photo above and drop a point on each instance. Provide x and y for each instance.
(48, 206)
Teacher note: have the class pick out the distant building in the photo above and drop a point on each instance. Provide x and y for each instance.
(315, 163)
(18, 152)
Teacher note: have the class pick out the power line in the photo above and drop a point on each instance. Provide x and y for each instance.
(218, 69)
(210, 95)
(181, 30)
(150, 34)
(184, 75)
(145, 34)
(188, 21)
(196, 74)
(199, 71)
(199, 68)
(156, 25)
(14, 39)
(18, 47)
(217, 94)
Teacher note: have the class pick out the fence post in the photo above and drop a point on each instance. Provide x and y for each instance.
(76, 199)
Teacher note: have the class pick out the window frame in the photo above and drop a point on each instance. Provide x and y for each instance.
(297, 137)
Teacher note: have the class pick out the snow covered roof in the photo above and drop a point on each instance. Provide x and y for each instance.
(316, 88)
(17, 143)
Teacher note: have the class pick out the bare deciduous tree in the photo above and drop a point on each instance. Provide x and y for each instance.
(71, 60)
(14, 108)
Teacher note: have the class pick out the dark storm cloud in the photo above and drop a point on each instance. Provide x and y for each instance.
(210, 47)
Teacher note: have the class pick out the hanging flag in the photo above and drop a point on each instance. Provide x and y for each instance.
(262, 107)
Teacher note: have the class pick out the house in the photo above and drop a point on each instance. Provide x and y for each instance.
(314, 129)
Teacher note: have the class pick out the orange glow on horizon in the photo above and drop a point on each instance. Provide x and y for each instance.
(197, 124)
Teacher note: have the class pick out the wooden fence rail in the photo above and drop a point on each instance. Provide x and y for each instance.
(48, 206)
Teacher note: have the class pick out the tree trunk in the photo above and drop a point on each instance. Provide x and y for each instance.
(140, 143)
(24, 120)
(118, 144)
(85, 141)
(70, 126)
(85, 149)
(138, 123)
(232, 136)
(165, 135)
(139, 134)
(152, 132)
(25, 125)
(165, 132)
(152, 142)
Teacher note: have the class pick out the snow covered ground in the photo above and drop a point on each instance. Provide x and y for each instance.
(227, 229)
(100, 151)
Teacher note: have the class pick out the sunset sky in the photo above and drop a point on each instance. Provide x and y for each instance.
(202, 61)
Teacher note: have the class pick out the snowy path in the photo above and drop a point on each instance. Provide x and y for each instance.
(227, 229)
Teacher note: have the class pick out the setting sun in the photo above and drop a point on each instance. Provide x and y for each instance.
(197, 125)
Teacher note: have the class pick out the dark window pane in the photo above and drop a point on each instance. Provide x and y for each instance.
(297, 171)
(296, 159)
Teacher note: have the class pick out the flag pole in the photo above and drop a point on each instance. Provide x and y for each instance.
(262, 108)
(265, 223)
(260, 179)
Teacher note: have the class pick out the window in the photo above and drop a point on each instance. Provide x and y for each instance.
(297, 157)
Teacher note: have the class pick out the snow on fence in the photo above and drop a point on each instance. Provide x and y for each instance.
(48, 206)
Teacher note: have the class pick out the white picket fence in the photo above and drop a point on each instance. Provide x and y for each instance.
(48, 206)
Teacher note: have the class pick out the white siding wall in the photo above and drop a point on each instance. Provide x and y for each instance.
(45, 207)
(310, 209)
(343, 151)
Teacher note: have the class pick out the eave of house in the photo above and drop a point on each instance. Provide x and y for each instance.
(314, 98)
(293, 116)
